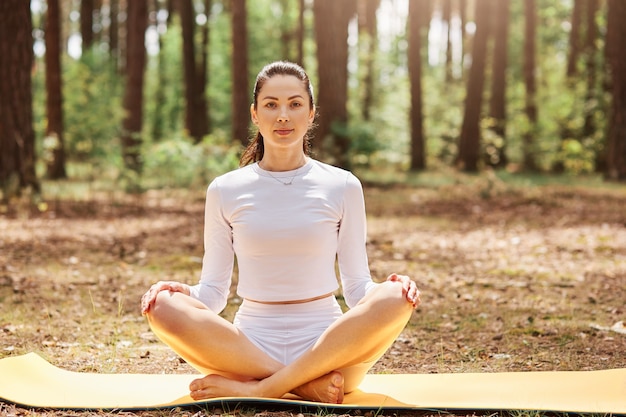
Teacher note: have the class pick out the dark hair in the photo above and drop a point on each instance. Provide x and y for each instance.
(255, 149)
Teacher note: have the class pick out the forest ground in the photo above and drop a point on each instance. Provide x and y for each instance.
(514, 278)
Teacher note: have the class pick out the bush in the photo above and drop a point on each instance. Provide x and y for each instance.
(92, 107)
(179, 162)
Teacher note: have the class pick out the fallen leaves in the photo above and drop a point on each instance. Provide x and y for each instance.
(617, 327)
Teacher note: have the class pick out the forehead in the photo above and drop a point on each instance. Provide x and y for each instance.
(283, 86)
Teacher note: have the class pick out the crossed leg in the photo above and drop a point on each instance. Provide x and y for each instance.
(336, 363)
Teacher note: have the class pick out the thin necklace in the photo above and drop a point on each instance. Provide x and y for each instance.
(283, 182)
(295, 174)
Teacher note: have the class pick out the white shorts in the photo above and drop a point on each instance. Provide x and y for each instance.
(286, 331)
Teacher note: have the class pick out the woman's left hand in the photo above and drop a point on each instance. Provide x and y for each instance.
(409, 288)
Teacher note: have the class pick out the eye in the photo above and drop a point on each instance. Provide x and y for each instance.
(270, 105)
(296, 104)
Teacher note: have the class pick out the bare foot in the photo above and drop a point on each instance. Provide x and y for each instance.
(325, 389)
(213, 386)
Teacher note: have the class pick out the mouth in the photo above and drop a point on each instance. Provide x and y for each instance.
(283, 132)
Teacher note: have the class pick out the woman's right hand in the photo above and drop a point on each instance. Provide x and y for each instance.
(148, 298)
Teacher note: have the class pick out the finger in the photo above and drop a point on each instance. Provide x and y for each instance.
(392, 277)
(148, 298)
(416, 298)
(146, 302)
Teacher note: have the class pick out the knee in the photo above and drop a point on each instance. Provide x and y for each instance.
(162, 312)
(390, 298)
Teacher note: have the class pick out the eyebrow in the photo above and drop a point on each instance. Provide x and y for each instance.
(276, 98)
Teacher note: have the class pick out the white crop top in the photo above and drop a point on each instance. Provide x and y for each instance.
(286, 238)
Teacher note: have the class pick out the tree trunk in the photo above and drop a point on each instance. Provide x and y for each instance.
(591, 36)
(446, 16)
(496, 152)
(331, 34)
(286, 33)
(241, 95)
(196, 107)
(416, 23)
(113, 32)
(368, 39)
(122, 38)
(469, 142)
(530, 33)
(595, 93)
(86, 24)
(17, 136)
(463, 4)
(616, 38)
(133, 97)
(54, 144)
(204, 122)
(575, 38)
(97, 22)
(158, 122)
(300, 32)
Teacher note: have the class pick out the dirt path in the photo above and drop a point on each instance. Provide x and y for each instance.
(524, 280)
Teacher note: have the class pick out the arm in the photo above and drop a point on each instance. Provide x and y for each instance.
(352, 252)
(351, 246)
(217, 264)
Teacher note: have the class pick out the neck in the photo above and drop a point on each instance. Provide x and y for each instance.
(272, 163)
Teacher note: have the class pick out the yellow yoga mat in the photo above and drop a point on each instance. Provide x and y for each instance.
(31, 381)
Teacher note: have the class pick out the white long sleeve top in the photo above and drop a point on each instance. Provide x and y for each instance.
(286, 238)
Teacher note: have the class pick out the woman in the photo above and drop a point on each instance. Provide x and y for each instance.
(288, 219)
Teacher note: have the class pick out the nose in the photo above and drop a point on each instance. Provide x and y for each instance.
(283, 116)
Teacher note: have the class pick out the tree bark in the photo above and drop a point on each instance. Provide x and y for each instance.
(196, 109)
(469, 142)
(530, 34)
(368, 38)
(575, 38)
(241, 94)
(331, 34)
(463, 4)
(86, 24)
(446, 16)
(113, 32)
(300, 32)
(616, 38)
(133, 97)
(203, 74)
(418, 145)
(496, 153)
(17, 136)
(591, 36)
(54, 104)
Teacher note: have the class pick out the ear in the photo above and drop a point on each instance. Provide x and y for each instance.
(312, 115)
(253, 117)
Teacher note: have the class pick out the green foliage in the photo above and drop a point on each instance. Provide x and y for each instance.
(443, 115)
(220, 80)
(92, 106)
(576, 157)
(384, 138)
(93, 98)
(178, 162)
(363, 140)
(164, 105)
(493, 144)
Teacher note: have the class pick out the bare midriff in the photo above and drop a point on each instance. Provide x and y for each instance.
(306, 300)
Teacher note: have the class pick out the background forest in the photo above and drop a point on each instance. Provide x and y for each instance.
(156, 93)
(490, 136)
